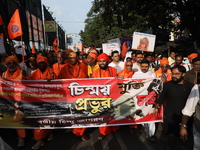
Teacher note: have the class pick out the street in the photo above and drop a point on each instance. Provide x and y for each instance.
(64, 139)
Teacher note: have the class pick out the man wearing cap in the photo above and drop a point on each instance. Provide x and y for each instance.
(13, 70)
(42, 73)
(32, 64)
(191, 76)
(74, 69)
(92, 63)
(116, 63)
(190, 57)
(57, 67)
(164, 72)
(102, 72)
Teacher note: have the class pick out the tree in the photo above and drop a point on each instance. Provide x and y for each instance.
(108, 19)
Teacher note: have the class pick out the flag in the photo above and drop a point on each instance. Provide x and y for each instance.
(55, 45)
(124, 50)
(14, 26)
(1, 20)
(33, 49)
(83, 46)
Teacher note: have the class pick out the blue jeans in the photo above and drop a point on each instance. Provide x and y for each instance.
(196, 139)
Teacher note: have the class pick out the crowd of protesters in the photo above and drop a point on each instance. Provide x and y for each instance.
(178, 79)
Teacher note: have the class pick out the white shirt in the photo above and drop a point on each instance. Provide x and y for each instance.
(136, 67)
(119, 67)
(192, 101)
(140, 75)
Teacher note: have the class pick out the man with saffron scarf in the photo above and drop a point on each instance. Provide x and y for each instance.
(74, 68)
(92, 62)
(57, 67)
(14, 72)
(42, 73)
(127, 72)
(164, 72)
(102, 72)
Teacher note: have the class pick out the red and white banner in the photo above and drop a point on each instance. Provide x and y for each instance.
(78, 103)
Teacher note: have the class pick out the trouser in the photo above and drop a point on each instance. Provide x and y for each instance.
(78, 131)
(39, 134)
(149, 128)
(21, 133)
(108, 129)
(196, 135)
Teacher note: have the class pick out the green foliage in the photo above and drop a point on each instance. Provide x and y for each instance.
(108, 19)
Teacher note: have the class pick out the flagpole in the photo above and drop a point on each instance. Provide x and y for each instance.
(23, 65)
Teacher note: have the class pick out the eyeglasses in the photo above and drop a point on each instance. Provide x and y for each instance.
(129, 65)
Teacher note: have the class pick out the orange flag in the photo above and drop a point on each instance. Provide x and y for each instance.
(33, 49)
(1, 20)
(14, 26)
(55, 45)
(124, 50)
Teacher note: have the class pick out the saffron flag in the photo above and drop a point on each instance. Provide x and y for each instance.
(33, 49)
(55, 45)
(1, 20)
(14, 26)
(124, 50)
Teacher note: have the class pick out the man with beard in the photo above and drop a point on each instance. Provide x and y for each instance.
(179, 61)
(102, 72)
(175, 92)
(144, 71)
(138, 57)
(191, 76)
(74, 69)
(14, 72)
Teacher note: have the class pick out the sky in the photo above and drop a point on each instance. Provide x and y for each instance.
(70, 14)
